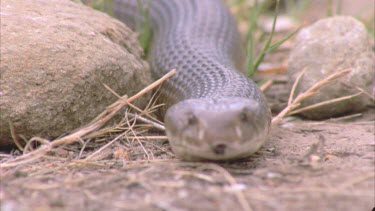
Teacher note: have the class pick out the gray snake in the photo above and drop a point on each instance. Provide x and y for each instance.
(214, 111)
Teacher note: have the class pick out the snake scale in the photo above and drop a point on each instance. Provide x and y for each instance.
(214, 111)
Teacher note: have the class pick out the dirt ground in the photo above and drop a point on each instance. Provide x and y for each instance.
(305, 165)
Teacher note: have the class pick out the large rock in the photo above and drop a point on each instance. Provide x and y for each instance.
(328, 46)
(55, 55)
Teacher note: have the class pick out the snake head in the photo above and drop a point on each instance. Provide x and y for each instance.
(217, 129)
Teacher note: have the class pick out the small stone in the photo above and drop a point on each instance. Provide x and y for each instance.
(328, 46)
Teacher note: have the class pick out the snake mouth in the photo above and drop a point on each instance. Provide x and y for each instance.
(219, 149)
(220, 152)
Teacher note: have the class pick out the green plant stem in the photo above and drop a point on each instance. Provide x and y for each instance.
(267, 44)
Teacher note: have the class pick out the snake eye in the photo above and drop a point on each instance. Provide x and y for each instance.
(244, 116)
(191, 119)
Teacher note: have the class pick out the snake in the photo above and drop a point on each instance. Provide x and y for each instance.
(213, 111)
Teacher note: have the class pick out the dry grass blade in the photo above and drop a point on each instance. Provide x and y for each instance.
(150, 137)
(99, 121)
(291, 96)
(136, 138)
(105, 146)
(371, 96)
(148, 121)
(103, 133)
(327, 102)
(111, 90)
(344, 118)
(266, 85)
(328, 79)
(15, 137)
(145, 113)
(232, 181)
(27, 158)
(293, 104)
(42, 141)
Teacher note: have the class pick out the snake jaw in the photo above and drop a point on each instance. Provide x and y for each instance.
(223, 129)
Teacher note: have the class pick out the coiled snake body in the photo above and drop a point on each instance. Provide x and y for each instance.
(214, 111)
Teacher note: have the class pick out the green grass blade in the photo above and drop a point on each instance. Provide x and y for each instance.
(267, 44)
(144, 28)
(280, 42)
(253, 19)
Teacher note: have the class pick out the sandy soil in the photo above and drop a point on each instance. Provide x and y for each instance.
(305, 165)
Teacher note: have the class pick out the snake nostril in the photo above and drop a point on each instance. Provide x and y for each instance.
(244, 116)
(192, 119)
(219, 149)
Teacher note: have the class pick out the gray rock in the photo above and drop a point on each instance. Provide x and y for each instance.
(331, 45)
(55, 55)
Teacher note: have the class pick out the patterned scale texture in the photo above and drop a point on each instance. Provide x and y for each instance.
(199, 38)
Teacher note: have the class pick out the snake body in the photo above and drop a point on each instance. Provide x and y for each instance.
(214, 111)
